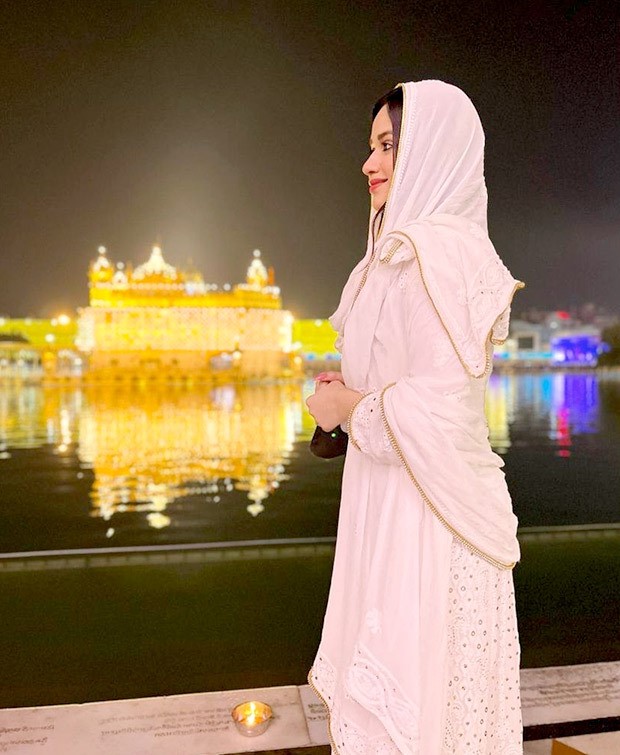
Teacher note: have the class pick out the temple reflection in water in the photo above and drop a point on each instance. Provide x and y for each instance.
(150, 447)
(149, 444)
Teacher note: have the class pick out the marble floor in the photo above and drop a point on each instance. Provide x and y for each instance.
(538, 747)
(201, 724)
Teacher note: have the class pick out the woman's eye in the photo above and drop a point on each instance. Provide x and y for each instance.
(385, 147)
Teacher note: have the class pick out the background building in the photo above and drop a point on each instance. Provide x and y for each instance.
(32, 348)
(160, 321)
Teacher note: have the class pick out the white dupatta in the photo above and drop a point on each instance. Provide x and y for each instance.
(436, 212)
(382, 667)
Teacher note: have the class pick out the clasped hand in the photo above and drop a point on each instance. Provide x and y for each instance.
(331, 401)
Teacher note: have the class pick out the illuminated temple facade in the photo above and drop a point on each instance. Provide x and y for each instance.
(156, 319)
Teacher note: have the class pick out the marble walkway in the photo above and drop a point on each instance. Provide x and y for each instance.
(200, 724)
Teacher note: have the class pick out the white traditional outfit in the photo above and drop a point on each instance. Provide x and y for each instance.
(419, 652)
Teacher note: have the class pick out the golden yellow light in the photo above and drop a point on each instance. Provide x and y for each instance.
(252, 718)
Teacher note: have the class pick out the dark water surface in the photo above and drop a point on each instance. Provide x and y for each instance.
(94, 482)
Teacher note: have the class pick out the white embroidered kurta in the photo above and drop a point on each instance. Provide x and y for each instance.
(419, 654)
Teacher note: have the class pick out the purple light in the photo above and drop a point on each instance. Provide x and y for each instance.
(576, 350)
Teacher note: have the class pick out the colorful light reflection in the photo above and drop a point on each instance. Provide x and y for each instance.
(566, 403)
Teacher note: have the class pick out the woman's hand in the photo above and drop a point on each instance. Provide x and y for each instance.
(329, 377)
(331, 403)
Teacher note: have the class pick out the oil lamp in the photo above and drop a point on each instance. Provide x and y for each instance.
(252, 718)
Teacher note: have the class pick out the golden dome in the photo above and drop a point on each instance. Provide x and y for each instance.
(101, 269)
(120, 276)
(257, 275)
(156, 268)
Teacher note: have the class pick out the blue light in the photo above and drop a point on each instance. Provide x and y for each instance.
(576, 350)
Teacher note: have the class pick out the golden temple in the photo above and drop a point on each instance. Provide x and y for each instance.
(158, 320)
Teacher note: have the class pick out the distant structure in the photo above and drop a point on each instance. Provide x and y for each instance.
(32, 349)
(555, 339)
(158, 320)
(316, 340)
(551, 339)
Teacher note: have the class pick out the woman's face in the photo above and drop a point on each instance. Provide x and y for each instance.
(379, 166)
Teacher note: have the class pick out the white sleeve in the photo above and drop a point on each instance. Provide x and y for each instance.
(367, 432)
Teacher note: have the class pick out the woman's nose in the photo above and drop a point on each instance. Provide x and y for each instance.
(370, 166)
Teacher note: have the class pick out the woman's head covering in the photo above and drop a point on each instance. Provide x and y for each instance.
(437, 211)
(440, 165)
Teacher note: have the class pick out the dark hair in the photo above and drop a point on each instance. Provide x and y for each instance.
(394, 101)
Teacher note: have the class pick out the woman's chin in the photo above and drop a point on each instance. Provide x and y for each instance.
(376, 204)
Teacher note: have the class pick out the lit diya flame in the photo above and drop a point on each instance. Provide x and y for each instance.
(252, 718)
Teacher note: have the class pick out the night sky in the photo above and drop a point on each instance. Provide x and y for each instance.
(217, 128)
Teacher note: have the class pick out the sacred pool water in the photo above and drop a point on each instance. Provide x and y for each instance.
(161, 539)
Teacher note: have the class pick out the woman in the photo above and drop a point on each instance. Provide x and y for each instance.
(419, 651)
